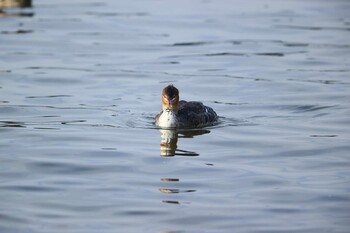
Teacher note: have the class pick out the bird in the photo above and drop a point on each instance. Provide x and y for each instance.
(183, 114)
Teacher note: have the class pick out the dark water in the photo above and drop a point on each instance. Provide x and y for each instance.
(80, 83)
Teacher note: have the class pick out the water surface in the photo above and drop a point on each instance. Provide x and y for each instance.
(80, 84)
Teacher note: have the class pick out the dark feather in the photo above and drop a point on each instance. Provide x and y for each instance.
(195, 114)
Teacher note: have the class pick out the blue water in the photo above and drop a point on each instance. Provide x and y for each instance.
(80, 84)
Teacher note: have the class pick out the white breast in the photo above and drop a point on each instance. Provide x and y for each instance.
(167, 119)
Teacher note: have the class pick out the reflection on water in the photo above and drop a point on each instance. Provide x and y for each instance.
(15, 3)
(169, 138)
(173, 190)
(14, 13)
(11, 124)
(168, 142)
(168, 148)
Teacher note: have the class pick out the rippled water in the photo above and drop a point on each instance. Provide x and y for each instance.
(80, 83)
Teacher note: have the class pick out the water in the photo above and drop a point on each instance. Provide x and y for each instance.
(80, 83)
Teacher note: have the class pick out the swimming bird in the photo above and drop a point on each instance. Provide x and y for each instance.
(183, 114)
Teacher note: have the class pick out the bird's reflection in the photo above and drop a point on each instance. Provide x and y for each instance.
(168, 148)
(12, 4)
(16, 3)
(169, 138)
(173, 190)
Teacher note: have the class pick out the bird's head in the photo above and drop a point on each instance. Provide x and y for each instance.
(170, 99)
